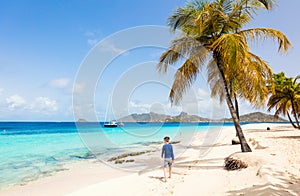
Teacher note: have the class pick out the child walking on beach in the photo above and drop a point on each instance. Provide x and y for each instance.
(168, 155)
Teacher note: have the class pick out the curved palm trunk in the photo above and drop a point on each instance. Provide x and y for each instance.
(236, 103)
(295, 113)
(244, 145)
(289, 117)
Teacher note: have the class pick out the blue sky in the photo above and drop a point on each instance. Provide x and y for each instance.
(43, 43)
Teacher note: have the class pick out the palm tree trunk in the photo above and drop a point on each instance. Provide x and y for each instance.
(236, 103)
(236, 109)
(289, 117)
(295, 113)
(244, 145)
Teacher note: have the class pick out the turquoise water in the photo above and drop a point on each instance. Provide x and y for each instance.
(29, 151)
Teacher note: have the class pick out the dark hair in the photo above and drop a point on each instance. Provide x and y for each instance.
(167, 138)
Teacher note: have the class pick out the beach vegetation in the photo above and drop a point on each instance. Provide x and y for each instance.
(285, 98)
(234, 164)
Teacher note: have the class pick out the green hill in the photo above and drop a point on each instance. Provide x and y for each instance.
(185, 117)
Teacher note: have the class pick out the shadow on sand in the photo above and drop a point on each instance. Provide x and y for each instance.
(286, 137)
(282, 186)
(157, 178)
(266, 131)
(216, 163)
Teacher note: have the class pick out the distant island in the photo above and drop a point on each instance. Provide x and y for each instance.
(185, 117)
(81, 120)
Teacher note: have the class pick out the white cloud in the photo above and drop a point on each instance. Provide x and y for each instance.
(173, 110)
(161, 108)
(203, 94)
(92, 42)
(44, 105)
(15, 101)
(138, 107)
(196, 102)
(93, 37)
(78, 88)
(110, 47)
(1, 90)
(59, 82)
(89, 33)
(200, 103)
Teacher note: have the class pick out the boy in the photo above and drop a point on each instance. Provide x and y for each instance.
(168, 155)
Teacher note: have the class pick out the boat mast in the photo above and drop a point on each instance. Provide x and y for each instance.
(107, 107)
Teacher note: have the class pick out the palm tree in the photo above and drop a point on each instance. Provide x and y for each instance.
(286, 97)
(267, 4)
(212, 32)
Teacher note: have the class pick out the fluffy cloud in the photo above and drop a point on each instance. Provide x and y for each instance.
(15, 101)
(202, 94)
(59, 82)
(92, 42)
(93, 36)
(110, 47)
(200, 103)
(90, 33)
(162, 108)
(194, 102)
(44, 105)
(78, 88)
(138, 107)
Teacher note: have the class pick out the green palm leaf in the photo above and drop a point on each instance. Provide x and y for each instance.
(261, 34)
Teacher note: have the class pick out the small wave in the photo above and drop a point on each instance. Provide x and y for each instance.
(85, 156)
(21, 164)
(50, 160)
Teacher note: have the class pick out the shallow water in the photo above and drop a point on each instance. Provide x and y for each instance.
(31, 150)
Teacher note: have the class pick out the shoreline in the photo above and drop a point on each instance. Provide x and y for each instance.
(200, 165)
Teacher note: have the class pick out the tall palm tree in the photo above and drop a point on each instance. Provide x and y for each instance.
(286, 97)
(212, 32)
(267, 4)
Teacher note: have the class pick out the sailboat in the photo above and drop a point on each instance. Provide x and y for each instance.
(112, 123)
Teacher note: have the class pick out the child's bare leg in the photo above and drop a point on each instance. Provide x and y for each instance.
(165, 174)
(170, 172)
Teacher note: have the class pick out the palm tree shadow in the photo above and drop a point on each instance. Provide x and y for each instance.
(267, 131)
(216, 163)
(284, 186)
(287, 137)
(200, 147)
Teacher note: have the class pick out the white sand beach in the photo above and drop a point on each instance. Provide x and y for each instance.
(273, 169)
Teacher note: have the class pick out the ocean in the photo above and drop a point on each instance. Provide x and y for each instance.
(32, 150)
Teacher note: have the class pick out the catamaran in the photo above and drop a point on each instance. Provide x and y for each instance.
(112, 123)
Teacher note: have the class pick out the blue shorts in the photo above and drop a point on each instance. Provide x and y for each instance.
(167, 162)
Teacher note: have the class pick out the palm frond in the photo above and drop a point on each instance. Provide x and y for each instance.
(226, 5)
(235, 20)
(180, 48)
(261, 34)
(167, 58)
(214, 81)
(232, 48)
(211, 20)
(187, 73)
(267, 4)
(185, 15)
(184, 78)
